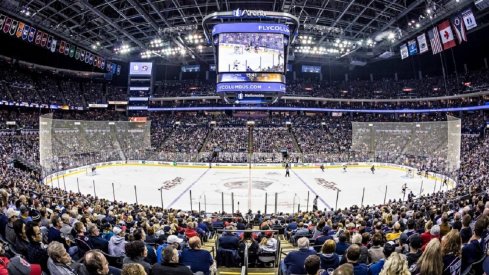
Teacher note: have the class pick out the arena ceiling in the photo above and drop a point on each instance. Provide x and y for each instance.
(171, 30)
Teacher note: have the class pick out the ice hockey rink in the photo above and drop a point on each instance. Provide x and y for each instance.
(231, 61)
(248, 187)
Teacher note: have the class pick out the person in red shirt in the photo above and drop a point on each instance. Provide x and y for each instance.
(426, 236)
(190, 230)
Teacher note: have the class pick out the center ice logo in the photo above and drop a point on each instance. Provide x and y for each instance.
(327, 184)
(170, 184)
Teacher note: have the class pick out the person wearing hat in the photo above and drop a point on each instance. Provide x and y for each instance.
(376, 267)
(19, 266)
(117, 243)
(12, 216)
(173, 241)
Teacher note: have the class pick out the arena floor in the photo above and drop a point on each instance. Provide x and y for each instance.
(248, 186)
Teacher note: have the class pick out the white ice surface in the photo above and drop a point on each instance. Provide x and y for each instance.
(208, 185)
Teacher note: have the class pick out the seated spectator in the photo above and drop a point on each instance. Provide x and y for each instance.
(457, 221)
(294, 261)
(329, 258)
(135, 253)
(252, 247)
(375, 253)
(173, 241)
(82, 241)
(451, 249)
(94, 262)
(140, 235)
(466, 231)
(342, 244)
(389, 248)
(473, 250)
(396, 264)
(228, 240)
(352, 257)
(426, 236)
(17, 265)
(36, 253)
(4, 261)
(96, 240)
(312, 264)
(357, 239)
(117, 243)
(10, 234)
(190, 230)
(395, 234)
(197, 258)
(170, 264)
(54, 233)
(268, 243)
(21, 244)
(431, 261)
(415, 252)
(323, 236)
(59, 261)
(344, 269)
(444, 226)
(133, 269)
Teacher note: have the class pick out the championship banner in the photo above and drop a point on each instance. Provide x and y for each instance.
(87, 57)
(95, 59)
(72, 50)
(32, 33)
(6, 25)
(61, 47)
(446, 34)
(77, 53)
(82, 55)
(90, 59)
(404, 51)
(412, 47)
(53, 45)
(25, 32)
(67, 48)
(459, 28)
(44, 39)
(2, 20)
(102, 64)
(423, 44)
(38, 37)
(50, 39)
(469, 19)
(118, 69)
(20, 30)
(13, 27)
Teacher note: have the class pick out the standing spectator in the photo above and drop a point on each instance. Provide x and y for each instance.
(197, 258)
(117, 243)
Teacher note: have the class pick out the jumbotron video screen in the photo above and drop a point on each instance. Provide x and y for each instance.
(251, 52)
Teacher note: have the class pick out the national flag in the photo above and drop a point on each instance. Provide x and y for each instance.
(61, 46)
(72, 50)
(6, 25)
(446, 34)
(459, 28)
(44, 39)
(25, 32)
(38, 37)
(53, 45)
(32, 34)
(50, 39)
(13, 27)
(20, 29)
(434, 37)
(2, 20)
(412, 47)
(67, 48)
(469, 19)
(423, 44)
(404, 51)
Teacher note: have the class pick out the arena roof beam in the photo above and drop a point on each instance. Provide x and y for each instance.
(110, 22)
(342, 13)
(390, 22)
